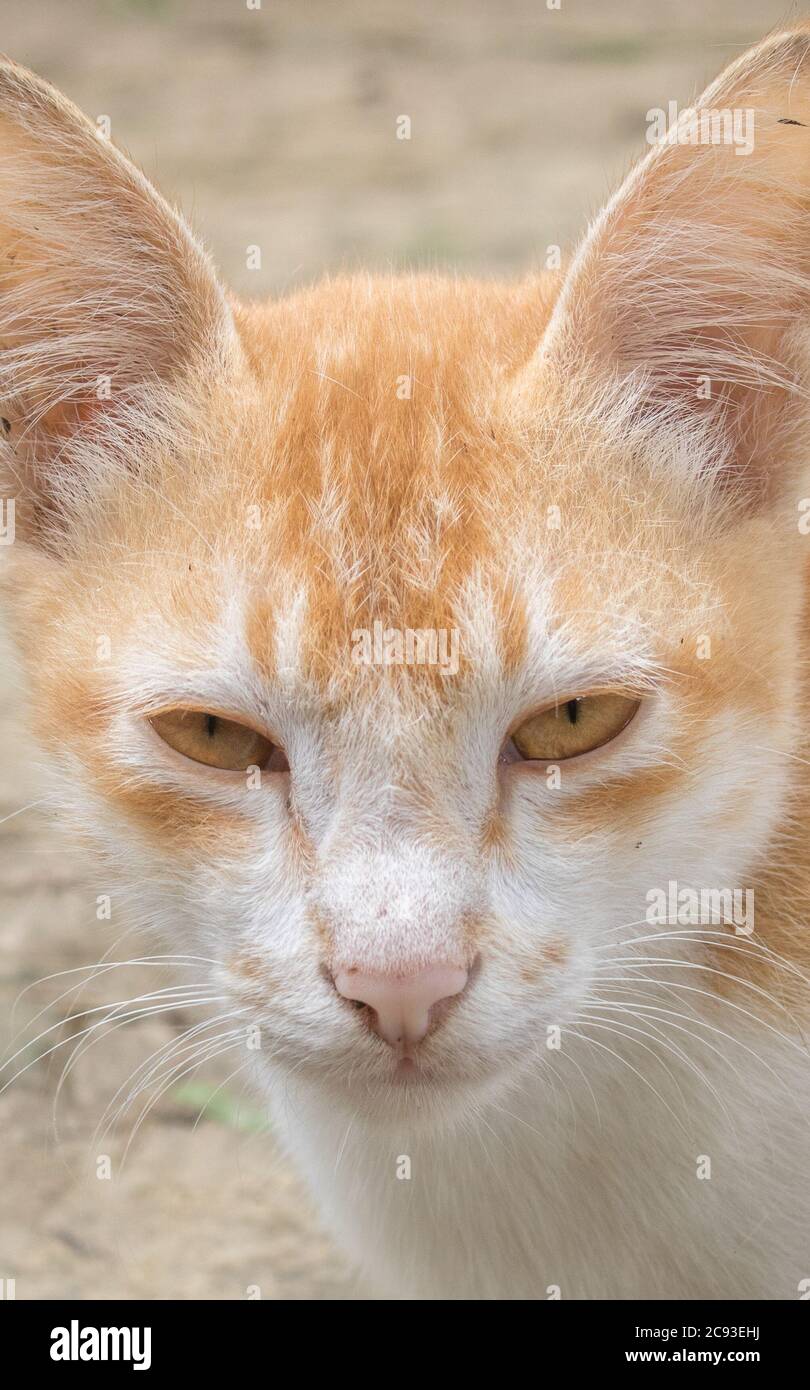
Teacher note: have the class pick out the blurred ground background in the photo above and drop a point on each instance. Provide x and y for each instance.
(276, 127)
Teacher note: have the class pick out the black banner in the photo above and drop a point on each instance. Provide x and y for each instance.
(59, 1339)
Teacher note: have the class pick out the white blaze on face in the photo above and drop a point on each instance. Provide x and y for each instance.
(398, 908)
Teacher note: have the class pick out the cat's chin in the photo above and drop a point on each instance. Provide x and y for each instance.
(409, 1089)
(420, 1102)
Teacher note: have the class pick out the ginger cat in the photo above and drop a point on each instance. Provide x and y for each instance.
(428, 655)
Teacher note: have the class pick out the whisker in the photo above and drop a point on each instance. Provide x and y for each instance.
(236, 1072)
(204, 1056)
(729, 1037)
(611, 1026)
(678, 1052)
(702, 935)
(722, 974)
(594, 1042)
(93, 972)
(150, 1010)
(141, 1077)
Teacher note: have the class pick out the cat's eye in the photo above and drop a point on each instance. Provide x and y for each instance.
(572, 727)
(217, 742)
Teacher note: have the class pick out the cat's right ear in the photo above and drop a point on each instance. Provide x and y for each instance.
(687, 308)
(106, 299)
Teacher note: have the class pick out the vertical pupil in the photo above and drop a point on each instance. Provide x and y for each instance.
(572, 710)
(211, 725)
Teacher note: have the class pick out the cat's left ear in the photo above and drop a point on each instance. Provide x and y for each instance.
(690, 296)
(106, 298)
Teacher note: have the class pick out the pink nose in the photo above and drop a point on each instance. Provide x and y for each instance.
(402, 1004)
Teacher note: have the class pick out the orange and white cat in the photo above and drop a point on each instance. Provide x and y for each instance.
(428, 657)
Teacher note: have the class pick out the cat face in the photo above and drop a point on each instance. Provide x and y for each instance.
(374, 813)
(395, 642)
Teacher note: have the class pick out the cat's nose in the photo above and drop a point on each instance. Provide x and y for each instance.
(401, 1004)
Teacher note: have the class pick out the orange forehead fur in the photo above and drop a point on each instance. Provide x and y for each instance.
(381, 395)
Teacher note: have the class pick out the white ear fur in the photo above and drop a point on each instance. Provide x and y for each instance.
(104, 292)
(686, 296)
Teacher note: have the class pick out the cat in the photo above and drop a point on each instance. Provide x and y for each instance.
(480, 917)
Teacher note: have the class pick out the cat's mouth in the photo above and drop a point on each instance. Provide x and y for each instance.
(407, 1070)
(418, 1072)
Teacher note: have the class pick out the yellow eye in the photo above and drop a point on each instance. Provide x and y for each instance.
(217, 742)
(573, 727)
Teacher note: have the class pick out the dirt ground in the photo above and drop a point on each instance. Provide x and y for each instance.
(276, 127)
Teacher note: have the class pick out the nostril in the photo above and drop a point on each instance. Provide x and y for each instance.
(402, 1004)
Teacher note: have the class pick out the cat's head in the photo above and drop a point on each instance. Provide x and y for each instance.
(397, 640)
